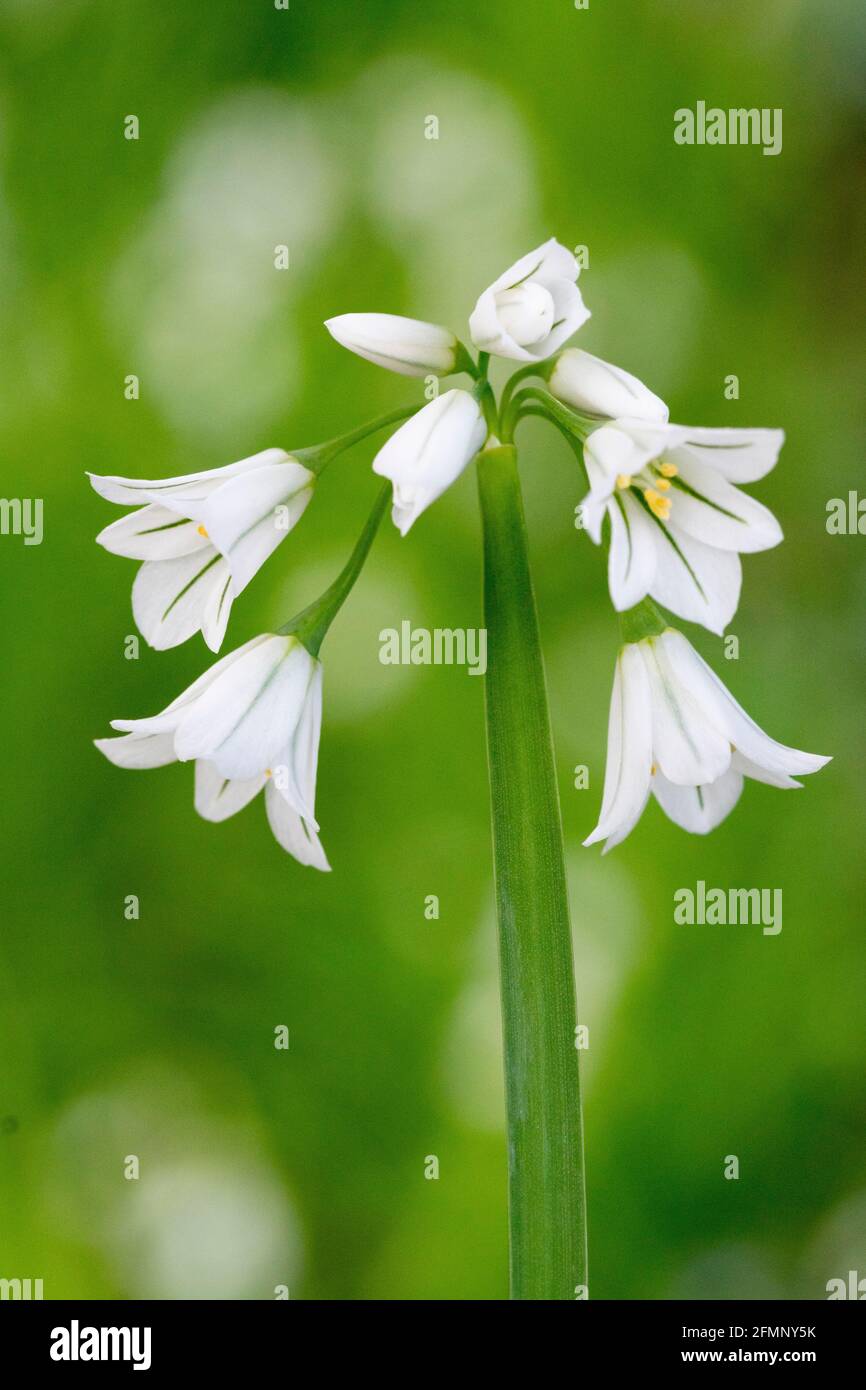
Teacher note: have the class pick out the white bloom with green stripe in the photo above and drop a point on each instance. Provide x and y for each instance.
(408, 346)
(532, 308)
(202, 537)
(677, 733)
(678, 522)
(250, 722)
(427, 454)
(595, 387)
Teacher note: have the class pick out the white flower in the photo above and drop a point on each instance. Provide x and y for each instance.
(202, 538)
(407, 346)
(596, 387)
(676, 731)
(252, 720)
(677, 523)
(427, 454)
(530, 311)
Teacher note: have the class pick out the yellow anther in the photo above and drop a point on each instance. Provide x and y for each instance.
(658, 505)
(653, 770)
(623, 480)
(668, 470)
(268, 772)
(663, 484)
(202, 530)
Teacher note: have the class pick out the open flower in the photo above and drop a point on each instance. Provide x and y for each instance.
(675, 731)
(596, 387)
(530, 311)
(427, 454)
(202, 538)
(407, 346)
(251, 721)
(677, 522)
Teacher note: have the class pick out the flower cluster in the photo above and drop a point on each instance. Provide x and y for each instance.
(667, 500)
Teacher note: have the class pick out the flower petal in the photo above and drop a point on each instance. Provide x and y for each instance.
(689, 749)
(607, 453)
(131, 492)
(695, 581)
(292, 832)
(138, 750)
(170, 598)
(305, 748)
(218, 797)
(169, 718)
(699, 809)
(694, 675)
(631, 561)
(408, 346)
(551, 266)
(741, 456)
(596, 387)
(152, 533)
(243, 721)
(629, 750)
(712, 510)
(429, 452)
(760, 774)
(249, 515)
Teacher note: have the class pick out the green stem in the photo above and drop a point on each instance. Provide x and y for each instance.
(318, 456)
(313, 622)
(573, 443)
(547, 1214)
(580, 425)
(531, 369)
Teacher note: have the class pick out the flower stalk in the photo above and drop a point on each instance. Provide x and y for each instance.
(310, 625)
(318, 456)
(547, 1212)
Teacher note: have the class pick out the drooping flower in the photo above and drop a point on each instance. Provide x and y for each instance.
(533, 307)
(408, 346)
(677, 522)
(202, 538)
(427, 454)
(251, 721)
(677, 733)
(596, 387)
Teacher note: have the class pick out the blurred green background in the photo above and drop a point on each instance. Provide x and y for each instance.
(155, 1037)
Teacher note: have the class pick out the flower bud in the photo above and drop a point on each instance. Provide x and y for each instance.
(407, 346)
(429, 452)
(595, 387)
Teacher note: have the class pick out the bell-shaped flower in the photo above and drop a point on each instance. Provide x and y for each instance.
(595, 387)
(677, 733)
(427, 454)
(678, 523)
(530, 311)
(407, 346)
(202, 538)
(251, 721)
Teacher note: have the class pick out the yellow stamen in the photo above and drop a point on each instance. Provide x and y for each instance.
(669, 470)
(658, 505)
(268, 772)
(623, 480)
(653, 770)
(202, 530)
(663, 484)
